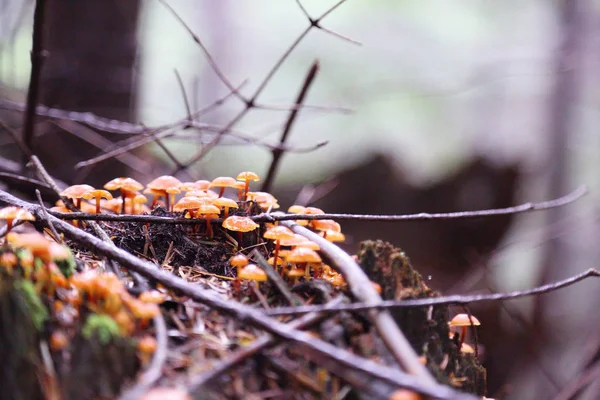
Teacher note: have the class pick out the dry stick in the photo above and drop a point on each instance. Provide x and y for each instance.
(154, 371)
(361, 288)
(275, 278)
(277, 153)
(261, 343)
(250, 103)
(436, 301)
(37, 59)
(46, 218)
(45, 176)
(527, 207)
(324, 353)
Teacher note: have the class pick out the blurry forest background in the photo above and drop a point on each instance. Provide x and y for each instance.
(445, 106)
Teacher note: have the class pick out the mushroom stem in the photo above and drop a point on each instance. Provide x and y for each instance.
(97, 204)
(9, 223)
(221, 191)
(246, 188)
(463, 333)
(78, 203)
(225, 212)
(209, 230)
(123, 197)
(275, 254)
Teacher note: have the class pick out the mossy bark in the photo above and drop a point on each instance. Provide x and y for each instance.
(426, 328)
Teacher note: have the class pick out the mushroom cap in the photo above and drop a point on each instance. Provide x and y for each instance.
(239, 260)
(252, 272)
(202, 184)
(166, 393)
(325, 225)
(334, 236)
(147, 344)
(225, 202)
(278, 233)
(247, 176)
(12, 212)
(188, 203)
(313, 210)
(297, 209)
(303, 255)
(463, 320)
(152, 296)
(173, 190)
(294, 241)
(206, 209)
(296, 272)
(209, 194)
(271, 260)
(223, 181)
(239, 224)
(92, 194)
(139, 199)
(404, 394)
(76, 191)
(308, 244)
(187, 186)
(466, 348)
(35, 242)
(164, 182)
(124, 184)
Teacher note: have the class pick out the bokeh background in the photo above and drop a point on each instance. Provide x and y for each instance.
(444, 106)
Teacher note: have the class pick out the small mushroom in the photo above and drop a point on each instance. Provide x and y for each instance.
(223, 182)
(238, 262)
(208, 211)
(165, 185)
(189, 205)
(127, 186)
(404, 394)
(252, 272)
(76, 193)
(226, 204)
(97, 194)
(12, 213)
(463, 321)
(247, 177)
(239, 225)
(303, 257)
(278, 233)
(138, 199)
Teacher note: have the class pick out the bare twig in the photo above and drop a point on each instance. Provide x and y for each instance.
(361, 288)
(154, 371)
(275, 278)
(527, 207)
(325, 353)
(277, 153)
(37, 59)
(436, 301)
(251, 102)
(46, 218)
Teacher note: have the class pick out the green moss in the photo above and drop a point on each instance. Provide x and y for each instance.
(38, 312)
(102, 327)
(66, 265)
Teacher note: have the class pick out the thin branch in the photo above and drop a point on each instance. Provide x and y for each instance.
(251, 102)
(209, 58)
(37, 60)
(275, 278)
(437, 301)
(46, 218)
(154, 371)
(277, 153)
(361, 288)
(311, 347)
(264, 217)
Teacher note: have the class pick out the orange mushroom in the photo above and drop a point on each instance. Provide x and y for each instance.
(226, 204)
(463, 321)
(12, 213)
(246, 177)
(238, 262)
(303, 257)
(223, 182)
(252, 272)
(239, 225)
(209, 211)
(76, 193)
(188, 204)
(97, 194)
(278, 233)
(166, 185)
(127, 186)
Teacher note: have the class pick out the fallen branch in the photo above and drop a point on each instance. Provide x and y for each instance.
(436, 301)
